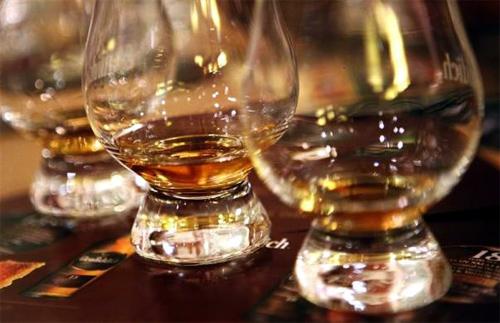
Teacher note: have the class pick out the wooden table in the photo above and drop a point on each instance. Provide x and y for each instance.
(236, 291)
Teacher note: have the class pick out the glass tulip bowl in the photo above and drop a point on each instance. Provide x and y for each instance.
(41, 97)
(162, 88)
(388, 118)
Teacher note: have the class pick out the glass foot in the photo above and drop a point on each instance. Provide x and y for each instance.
(391, 271)
(189, 231)
(81, 187)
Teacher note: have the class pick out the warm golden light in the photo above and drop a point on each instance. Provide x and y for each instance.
(198, 60)
(194, 17)
(386, 26)
(222, 59)
(214, 14)
(373, 64)
(307, 203)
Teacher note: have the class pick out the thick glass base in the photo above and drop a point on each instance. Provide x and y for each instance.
(200, 231)
(87, 186)
(383, 272)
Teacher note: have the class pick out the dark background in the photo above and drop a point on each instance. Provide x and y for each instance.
(481, 19)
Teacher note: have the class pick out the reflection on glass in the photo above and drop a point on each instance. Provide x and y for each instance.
(40, 96)
(162, 87)
(387, 121)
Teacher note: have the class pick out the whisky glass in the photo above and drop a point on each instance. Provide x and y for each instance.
(162, 85)
(40, 96)
(388, 119)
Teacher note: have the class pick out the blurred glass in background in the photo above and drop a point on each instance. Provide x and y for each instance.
(41, 97)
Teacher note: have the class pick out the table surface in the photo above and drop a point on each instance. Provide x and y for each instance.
(138, 291)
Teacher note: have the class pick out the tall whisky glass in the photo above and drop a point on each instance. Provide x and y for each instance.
(41, 60)
(162, 87)
(388, 119)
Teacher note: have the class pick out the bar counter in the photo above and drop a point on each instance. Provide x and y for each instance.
(258, 288)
